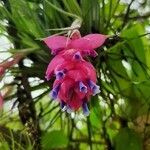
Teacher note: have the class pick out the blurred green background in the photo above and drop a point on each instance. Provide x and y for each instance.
(119, 116)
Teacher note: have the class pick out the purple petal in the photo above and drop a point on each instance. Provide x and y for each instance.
(77, 56)
(82, 87)
(54, 92)
(95, 88)
(85, 108)
(59, 74)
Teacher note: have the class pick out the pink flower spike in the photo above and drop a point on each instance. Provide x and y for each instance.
(57, 43)
(76, 78)
(96, 40)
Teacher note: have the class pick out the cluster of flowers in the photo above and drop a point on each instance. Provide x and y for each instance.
(75, 77)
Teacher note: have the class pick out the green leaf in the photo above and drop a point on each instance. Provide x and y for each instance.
(95, 114)
(54, 139)
(135, 50)
(90, 14)
(72, 6)
(4, 146)
(22, 12)
(127, 139)
(119, 74)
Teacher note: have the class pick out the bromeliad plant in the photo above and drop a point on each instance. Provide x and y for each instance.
(75, 77)
(123, 66)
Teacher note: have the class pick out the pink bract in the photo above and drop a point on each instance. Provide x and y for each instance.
(86, 43)
(75, 77)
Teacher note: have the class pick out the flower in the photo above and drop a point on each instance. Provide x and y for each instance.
(75, 77)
